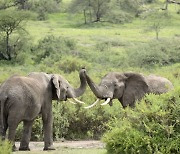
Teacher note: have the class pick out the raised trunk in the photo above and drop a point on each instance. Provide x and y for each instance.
(95, 89)
(79, 91)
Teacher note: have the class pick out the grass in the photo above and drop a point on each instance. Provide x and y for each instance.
(62, 24)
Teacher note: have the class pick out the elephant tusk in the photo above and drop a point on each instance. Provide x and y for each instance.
(71, 102)
(78, 101)
(106, 102)
(90, 106)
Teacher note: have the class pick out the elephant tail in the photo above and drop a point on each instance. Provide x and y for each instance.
(2, 101)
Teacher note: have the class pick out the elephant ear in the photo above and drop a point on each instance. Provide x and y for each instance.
(135, 89)
(56, 83)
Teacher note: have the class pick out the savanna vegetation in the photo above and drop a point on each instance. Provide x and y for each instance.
(62, 36)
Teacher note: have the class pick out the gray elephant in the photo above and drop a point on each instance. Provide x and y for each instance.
(23, 98)
(127, 87)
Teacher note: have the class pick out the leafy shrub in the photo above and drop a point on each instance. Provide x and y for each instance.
(60, 120)
(53, 46)
(156, 53)
(43, 7)
(5, 147)
(119, 17)
(70, 64)
(152, 127)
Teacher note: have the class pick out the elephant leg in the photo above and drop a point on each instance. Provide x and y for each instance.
(13, 121)
(4, 131)
(47, 128)
(11, 135)
(123, 105)
(24, 145)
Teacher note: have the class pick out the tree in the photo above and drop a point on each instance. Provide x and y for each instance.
(4, 4)
(100, 8)
(156, 21)
(93, 10)
(121, 11)
(11, 22)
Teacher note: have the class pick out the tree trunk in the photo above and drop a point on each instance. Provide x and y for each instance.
(85, 21)
(90, 15)
(98, 16)
(8, 47)
(166, 6)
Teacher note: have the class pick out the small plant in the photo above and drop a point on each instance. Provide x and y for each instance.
(5, 147)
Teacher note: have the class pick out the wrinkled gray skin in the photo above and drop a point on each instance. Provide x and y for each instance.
(128, 87)
(23, 98)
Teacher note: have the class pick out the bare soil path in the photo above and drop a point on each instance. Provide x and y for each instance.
(38, 146)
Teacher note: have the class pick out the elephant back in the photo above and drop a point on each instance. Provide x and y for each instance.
(158, 85)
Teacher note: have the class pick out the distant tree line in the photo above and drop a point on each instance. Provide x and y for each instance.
(15, 13)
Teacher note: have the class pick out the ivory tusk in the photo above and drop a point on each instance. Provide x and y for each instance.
(106, 102)
(90, 106)
(71, 102)
(78, 101)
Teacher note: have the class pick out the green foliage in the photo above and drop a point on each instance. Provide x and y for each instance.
(5, 147)
(43, 7)
(12, 32)
(70, 64)
(119, 17)
(152, 127)
(61, 121)
(53, 47)
(93, 10)
(155, 53)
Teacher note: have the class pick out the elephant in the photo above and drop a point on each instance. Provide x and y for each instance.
(127, 87)
(23, 98)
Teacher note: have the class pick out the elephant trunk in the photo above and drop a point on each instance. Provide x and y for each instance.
(79, 91)
(95, 89)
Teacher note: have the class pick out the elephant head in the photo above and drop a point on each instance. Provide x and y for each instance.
(126, 87)
(62, 89)
(66, 90)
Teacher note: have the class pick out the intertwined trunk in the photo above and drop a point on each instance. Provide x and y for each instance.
(79, 91)
(95, 88)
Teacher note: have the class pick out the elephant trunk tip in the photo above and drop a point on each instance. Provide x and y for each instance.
(83, 70)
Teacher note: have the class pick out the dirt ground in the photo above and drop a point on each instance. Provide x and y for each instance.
(34, 146)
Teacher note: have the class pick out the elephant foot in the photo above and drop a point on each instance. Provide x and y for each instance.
(49, 148)
(24, 149)
(14, 148)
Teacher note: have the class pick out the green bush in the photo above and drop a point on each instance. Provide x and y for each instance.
(119, 17)
(155, 53)
(53, 47)
(60, 120)
(151, 127)
(70, 64)
(5, 147)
